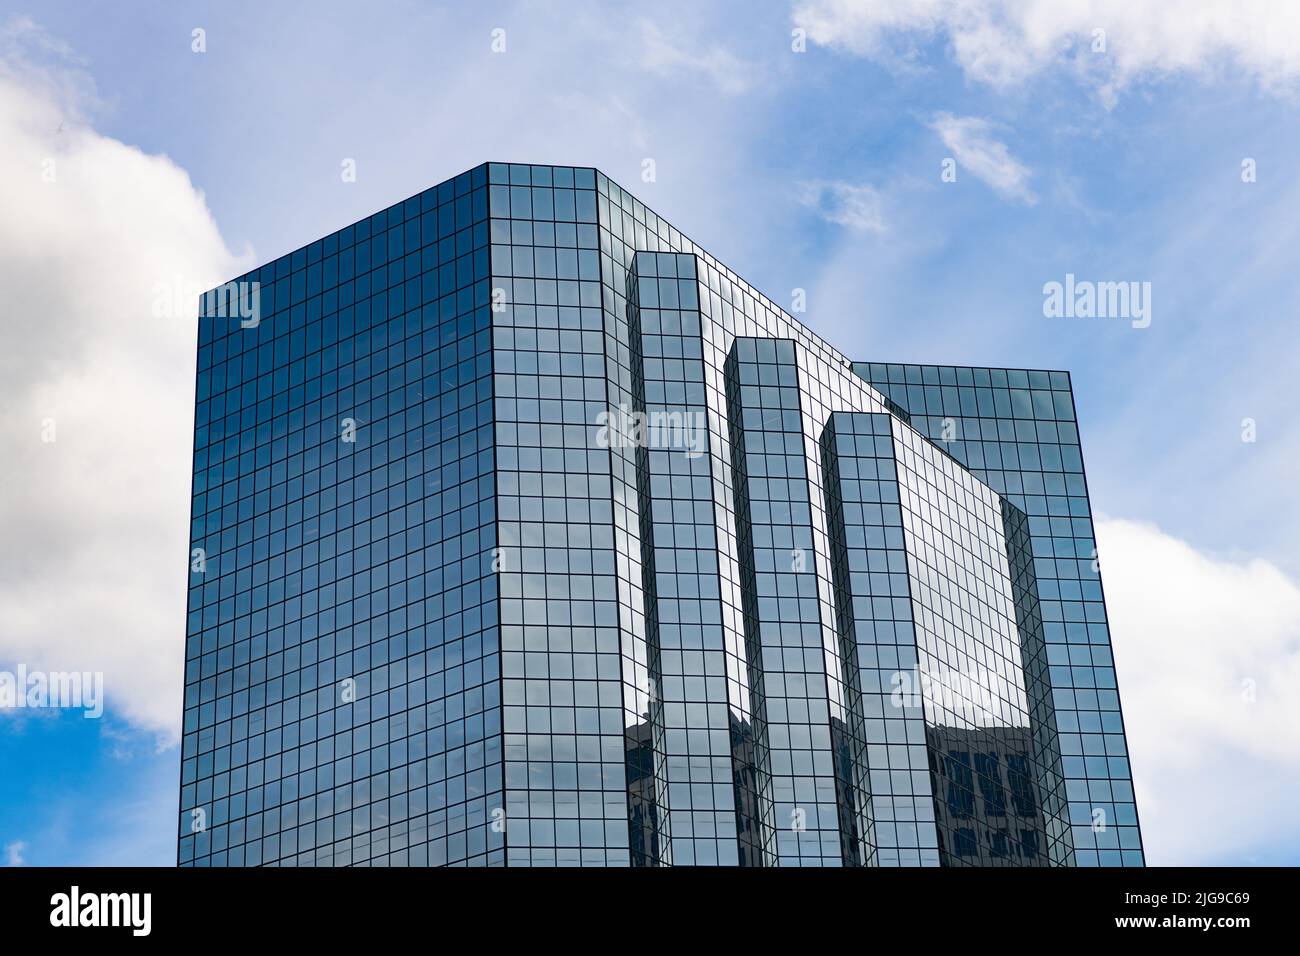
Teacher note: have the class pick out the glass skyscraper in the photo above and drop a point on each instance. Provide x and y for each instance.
(525, 532)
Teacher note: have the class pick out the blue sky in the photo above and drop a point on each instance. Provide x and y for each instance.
(818, 170)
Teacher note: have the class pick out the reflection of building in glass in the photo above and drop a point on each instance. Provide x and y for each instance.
(538, 537)
(987, 797)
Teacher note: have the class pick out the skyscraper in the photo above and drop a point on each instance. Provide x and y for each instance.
(525, 532)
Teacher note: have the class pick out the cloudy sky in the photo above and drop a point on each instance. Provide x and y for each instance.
(803, 144)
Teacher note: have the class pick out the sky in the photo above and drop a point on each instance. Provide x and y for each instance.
(920, 170)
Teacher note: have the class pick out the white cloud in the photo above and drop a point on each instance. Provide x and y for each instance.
(1004, 43)
(1208, 656)
(716, 63)
(14, 853)
(93, 572)
(845, 204)
(987, 158)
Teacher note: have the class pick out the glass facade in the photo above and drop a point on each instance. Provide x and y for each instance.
(926, 589)
(524, 532)
(1016, 430)
(343, 668)
(788, 663)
